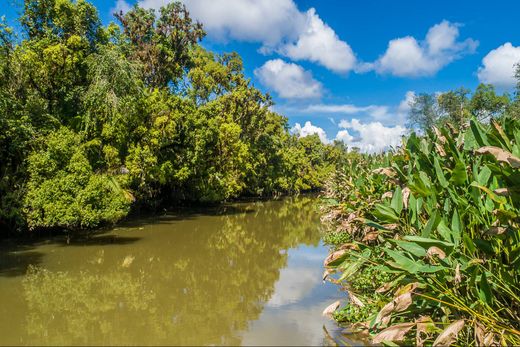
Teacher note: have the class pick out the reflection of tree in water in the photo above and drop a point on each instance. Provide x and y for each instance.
(196, 286)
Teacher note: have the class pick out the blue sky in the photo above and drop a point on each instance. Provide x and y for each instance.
(347, 66)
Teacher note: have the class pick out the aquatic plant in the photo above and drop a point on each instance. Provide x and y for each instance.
(441, 219)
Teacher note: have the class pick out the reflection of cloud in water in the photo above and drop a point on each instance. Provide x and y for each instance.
(293, 285)
(294, 326)
(293, 314)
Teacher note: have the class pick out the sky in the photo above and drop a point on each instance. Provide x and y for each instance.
(346, 69)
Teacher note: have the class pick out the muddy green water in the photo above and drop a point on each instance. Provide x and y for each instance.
(240, 274)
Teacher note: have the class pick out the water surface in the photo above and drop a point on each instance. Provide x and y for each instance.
(240, 274)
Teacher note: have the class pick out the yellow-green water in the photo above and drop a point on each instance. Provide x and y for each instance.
(246, 273)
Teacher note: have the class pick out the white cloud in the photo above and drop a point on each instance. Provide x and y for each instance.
(288, 80)
(372, 137)
(309, 129)
(498, 66)
(320, 44)
(406, 57)
(277, 24)
(404, 106)
(388, 115)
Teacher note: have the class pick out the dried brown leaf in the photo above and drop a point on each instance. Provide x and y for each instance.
(449, 335)
(355, 300)
(384, 315)
(406, 196)
(334, 256)
(496, 231)
(424, 326)
(383, 289)
(502, 191)
(436, 251)
(387, 171)
(329, 310)
(501, 155)
(394, 333)
(440, 150)
(458, 278)
(371, 236)
(387, 195)
(402, 302)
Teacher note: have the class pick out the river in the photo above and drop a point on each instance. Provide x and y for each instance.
(238, 274)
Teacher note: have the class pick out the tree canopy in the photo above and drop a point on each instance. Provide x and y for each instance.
(97, 121)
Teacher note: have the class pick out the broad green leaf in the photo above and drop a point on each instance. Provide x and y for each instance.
(485, 293)
(440, 174)
(428, 242)
(483, 175)
(432, 223)
(397, 201)
(478, 133)
(459, 176)
(385, 214)
(411, 247)
(402, 262)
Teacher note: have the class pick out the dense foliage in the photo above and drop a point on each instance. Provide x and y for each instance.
(428, 238)
(96, 120)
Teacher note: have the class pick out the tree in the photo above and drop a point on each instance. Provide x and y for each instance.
(161, 45)
(424, 112)
(453, 106)
(485, 103)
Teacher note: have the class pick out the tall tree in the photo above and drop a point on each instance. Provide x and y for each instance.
(424, 112)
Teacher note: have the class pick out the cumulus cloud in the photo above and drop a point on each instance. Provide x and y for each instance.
(371, 137)
(288, 80)
(407, 57)
(498, 66)
(277, 24)
(309, 129)
(320, 44)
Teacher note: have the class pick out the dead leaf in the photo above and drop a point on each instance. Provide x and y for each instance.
(128, 261)
(391, 226)
(334, 256)
(502, 191)
(425, 325)
(406, 196)
(432, 251)
(387, 195)
(355, 300)
(402, 302)
(394, 333)
(371, 236)
(496, 231)
(440, 150)
(387, 171)
(329, 310)
(349, 246)
(384, 315)
(386, 287)
(501, 155)
(458, 277)
(483, 337)
(449, 335)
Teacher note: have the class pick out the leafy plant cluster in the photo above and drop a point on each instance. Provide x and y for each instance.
(98, 120)
(440, 217)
